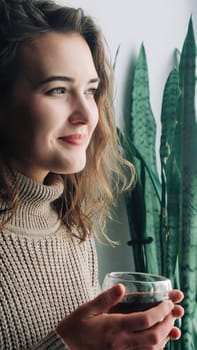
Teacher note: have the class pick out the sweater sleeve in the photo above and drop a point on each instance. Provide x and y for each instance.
(52, 341)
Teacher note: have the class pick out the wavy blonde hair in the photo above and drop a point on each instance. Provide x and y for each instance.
(89, 194)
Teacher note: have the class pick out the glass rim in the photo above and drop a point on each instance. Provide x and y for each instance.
(122, 276)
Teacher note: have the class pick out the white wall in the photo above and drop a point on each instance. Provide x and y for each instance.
(161, 25)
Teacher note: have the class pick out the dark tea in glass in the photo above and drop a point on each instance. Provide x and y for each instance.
(142, 290)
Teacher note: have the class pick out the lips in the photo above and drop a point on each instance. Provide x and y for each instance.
(74, 139)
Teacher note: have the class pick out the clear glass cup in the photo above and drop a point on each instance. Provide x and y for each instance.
(142, 290)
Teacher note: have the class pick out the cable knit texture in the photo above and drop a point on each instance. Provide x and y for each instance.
(45, 275)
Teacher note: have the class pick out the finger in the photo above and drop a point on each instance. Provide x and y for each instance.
(175, 333)
(146, 319)
(156, 336)
(178, 311)
(176, 295)
(103, 302)
(161, 346)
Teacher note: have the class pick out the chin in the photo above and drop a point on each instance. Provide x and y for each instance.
(74, 168)
(77, 170)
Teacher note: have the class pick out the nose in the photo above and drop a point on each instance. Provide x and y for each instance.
(84, 110)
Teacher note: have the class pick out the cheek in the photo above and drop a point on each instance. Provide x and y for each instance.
(92, 129)
(47, 116)
(24, 126)
(95, 118)
(36, 118)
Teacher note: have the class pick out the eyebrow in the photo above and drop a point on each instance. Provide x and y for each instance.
(64, 78)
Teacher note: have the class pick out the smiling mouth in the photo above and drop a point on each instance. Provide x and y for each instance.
(75, 139)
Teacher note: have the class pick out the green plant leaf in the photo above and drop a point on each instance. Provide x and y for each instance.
(131, 153)
(188, 168)
(169, 232)
(115, 58)
(142, 136)
(142, 123)
(168, 114)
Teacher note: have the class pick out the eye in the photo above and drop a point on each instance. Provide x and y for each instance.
(57, 91)
(91, 91)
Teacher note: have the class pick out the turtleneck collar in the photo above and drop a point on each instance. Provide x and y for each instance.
(36, 215)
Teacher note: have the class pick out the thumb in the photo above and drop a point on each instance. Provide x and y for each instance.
(104, 301)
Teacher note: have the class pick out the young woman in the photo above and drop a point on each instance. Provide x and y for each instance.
(59, 173)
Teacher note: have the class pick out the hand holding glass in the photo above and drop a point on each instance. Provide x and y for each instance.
(142, 290)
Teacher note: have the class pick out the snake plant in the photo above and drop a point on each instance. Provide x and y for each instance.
(162, 211)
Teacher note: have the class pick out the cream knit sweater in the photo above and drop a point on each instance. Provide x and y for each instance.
(44, 274)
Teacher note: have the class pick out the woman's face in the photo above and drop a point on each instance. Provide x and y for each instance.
(52, 113)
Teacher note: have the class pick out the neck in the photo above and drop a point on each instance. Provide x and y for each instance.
(36, 215)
